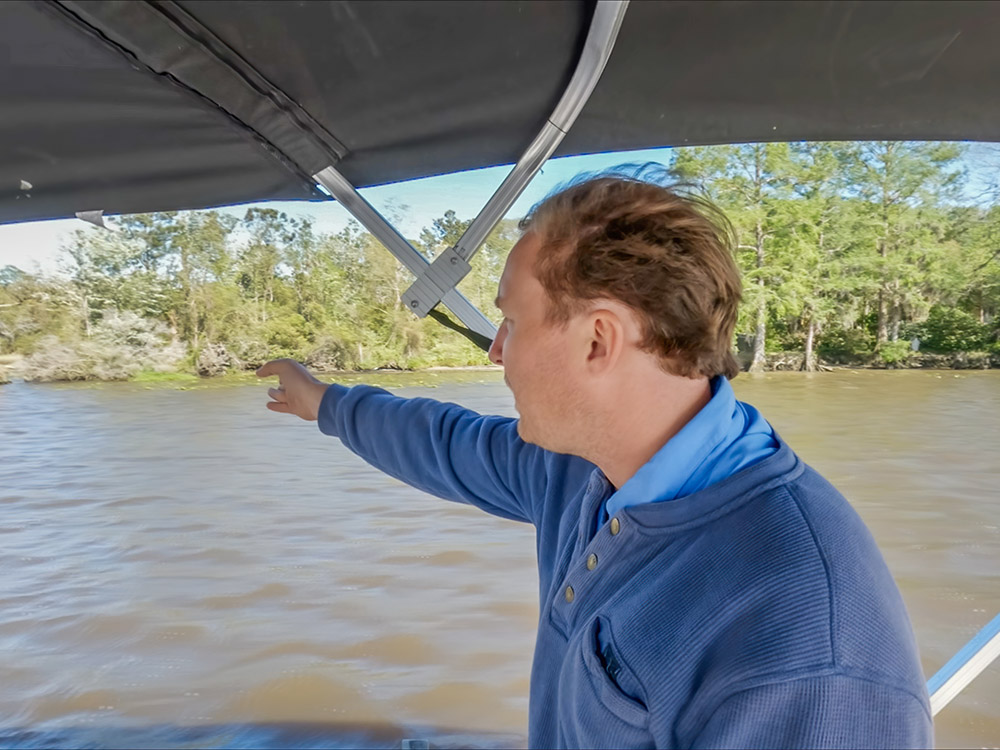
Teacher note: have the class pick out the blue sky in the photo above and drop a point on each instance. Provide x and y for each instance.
(411, 205)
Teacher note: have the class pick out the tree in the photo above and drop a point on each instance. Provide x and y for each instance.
(117, 270)
(819, 289)
(752, 183)
(897, 182)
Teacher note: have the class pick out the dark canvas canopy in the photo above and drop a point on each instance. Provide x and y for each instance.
(139, 106)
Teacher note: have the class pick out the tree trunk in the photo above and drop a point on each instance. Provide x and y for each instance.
(193, 314)
(189, 327)
(760, 332)
(759, 357)
(86, 316)
(172, 324)
(809, 362)
(882, 330)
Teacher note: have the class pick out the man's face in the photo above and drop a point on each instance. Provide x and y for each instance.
(535, 354)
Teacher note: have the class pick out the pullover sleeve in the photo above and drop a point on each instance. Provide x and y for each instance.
(441, 448)
(829, 711)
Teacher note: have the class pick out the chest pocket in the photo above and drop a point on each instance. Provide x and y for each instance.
(593, 711)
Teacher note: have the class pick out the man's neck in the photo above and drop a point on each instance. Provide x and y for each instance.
(641, 421)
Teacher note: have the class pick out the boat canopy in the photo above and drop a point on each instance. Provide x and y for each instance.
(138, 106)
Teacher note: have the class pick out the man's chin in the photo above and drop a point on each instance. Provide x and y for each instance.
(521, 432)
(524, 432)
(530, 436)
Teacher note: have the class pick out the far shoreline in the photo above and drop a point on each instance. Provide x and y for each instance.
(780, 362)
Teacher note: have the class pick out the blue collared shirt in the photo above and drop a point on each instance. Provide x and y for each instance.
(723, 438)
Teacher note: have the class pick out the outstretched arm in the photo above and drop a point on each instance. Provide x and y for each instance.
(440, 448)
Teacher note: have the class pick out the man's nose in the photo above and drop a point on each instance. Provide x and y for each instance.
(496, 348)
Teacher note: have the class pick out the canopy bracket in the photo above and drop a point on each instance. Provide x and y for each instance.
(405, 253)
(430, 286)
(437, 280)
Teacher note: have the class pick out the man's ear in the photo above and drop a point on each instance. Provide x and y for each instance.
(606, 340)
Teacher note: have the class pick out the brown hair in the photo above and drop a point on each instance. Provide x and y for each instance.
(667, 255)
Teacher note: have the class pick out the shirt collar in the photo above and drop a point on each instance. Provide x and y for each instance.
(687, 454)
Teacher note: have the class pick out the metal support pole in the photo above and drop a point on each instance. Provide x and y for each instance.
(433, 284)
(965, 666)
(396, 244)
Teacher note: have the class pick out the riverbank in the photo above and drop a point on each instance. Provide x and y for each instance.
(794, 361)
(775, 362)
(7, 364)
(430, 377)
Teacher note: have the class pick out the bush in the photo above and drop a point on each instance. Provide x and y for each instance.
(286, 335)
(951, 330)
(215, 359)
(122, 345)
(845, 345)
(330, 353)
(54, 360)
(895, 352)
(251, 352)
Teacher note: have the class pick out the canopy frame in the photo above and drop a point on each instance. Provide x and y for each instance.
(436, 281)
(449, 268)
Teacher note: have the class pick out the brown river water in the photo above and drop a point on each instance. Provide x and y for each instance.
(183, 568)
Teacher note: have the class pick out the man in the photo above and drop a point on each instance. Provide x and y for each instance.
(700, 586)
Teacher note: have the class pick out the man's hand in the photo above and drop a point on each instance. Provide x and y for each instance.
(298, 392)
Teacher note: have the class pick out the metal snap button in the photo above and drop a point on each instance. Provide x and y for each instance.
(592, 562)
(615, 526)
(570, 594)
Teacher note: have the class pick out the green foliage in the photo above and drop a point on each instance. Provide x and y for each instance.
(862, 244)
(895, 352)
(33, 307)
(846, 345)
(949, 330)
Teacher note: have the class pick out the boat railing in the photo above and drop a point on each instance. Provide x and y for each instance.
(965, 666)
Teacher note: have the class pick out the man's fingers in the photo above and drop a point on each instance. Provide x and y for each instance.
(274, 367)
(293, 375)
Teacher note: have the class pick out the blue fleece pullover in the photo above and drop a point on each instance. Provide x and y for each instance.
(756, 612)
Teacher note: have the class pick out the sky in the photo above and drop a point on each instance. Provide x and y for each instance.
(35, 246)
